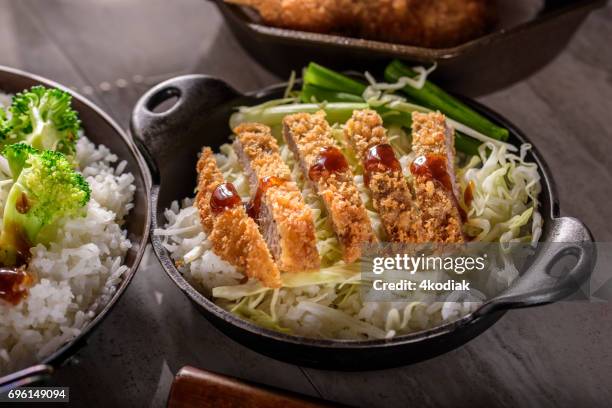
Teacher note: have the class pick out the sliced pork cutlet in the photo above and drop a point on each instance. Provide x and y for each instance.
(436, 192)
(326, 168)
(383, 176)
(235, 237)
(277, 205)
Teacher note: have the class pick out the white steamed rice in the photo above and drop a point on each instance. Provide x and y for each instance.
(78, 274)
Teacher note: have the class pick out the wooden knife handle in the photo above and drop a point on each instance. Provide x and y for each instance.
(199, 388)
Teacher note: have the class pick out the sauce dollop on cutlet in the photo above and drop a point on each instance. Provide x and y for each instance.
(432, 166)
(380, 158)
(224, 197)
(329, 160)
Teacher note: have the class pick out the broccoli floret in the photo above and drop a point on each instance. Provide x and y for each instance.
(16, 156)
(5, 127)
(46, 189)
(44, 119)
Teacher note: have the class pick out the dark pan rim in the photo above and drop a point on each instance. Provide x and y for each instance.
(68, 348)
(548, 188)
(389, 48)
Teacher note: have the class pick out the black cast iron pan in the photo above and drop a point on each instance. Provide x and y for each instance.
(513, 51)
(172, 140)
(100, 129)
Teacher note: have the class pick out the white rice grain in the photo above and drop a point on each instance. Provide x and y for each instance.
(78, 273)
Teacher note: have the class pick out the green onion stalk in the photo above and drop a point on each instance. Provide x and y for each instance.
(325, 85)
(433, 97)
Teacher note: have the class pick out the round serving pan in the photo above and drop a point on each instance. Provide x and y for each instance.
(100, 129)
(172, 140)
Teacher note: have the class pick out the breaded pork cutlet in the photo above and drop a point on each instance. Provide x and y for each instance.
(426, 23)
(383, 176)
(285, 220)
(234, 235)
(435, 188)
(326, 168)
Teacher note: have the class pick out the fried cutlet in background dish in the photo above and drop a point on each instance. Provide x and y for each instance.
(424, 23)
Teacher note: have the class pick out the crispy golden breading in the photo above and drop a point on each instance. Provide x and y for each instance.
(261, 152)
(433, 140)
(391, 194)
(209, 177)
(426, 23)
(364, 130)
(284, 218)
(307, 135)
(234, 235)
(236, 238)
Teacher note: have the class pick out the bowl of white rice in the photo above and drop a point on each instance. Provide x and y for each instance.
(82, 274)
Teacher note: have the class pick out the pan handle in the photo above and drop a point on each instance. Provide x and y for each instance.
(25, 377)
(152, 131)
(537, 286)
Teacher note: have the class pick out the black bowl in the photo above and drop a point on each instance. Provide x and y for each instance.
(100, 129)
(511, 52)
(171, 141)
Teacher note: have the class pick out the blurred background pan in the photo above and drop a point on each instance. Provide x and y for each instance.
(530, 33)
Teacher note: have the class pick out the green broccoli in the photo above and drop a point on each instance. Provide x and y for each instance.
(46, 189)
(5, 127)
(44, 119)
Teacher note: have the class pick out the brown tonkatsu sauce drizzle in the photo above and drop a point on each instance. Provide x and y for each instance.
(224, 197)
(468, 198)
(253, 208)
(22, 205)
(468, 195)
(14, 283)
(20, 242)
(330, 160)
(434, 167)
(15, 280)
(380, 158)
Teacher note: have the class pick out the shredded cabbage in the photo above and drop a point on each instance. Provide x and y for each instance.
(259, 317)
(341, 320)
(417, 82)
(337, 274)
(505, 190)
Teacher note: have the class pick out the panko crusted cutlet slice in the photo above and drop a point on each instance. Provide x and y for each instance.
(235, 237)
(383, 176)
(436, 192)
(326, 168)
(285, 220)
